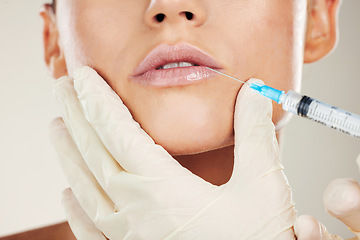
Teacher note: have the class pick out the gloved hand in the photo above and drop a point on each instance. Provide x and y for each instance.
(341, 200)
(131, 188)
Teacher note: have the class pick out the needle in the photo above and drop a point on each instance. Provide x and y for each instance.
(227, 75)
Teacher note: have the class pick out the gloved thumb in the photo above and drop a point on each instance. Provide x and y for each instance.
(308, 228)
(256, 148)
(342, 200)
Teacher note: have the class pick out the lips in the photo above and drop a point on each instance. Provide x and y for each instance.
(172, 65)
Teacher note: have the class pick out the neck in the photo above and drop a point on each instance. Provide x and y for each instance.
(215, 166)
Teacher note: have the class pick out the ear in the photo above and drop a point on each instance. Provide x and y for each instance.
(53, 53)
(322, 32)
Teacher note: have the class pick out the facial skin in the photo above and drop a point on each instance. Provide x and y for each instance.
(265, 39)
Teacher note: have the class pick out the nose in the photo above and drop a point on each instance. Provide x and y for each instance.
(161, 12)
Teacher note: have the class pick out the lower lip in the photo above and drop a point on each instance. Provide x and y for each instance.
(174, 76)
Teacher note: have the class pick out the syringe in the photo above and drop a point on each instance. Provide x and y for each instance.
(310, 108)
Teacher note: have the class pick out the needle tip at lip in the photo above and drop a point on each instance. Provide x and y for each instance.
(213, 70)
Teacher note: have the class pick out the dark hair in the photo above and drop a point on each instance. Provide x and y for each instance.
(53, 4)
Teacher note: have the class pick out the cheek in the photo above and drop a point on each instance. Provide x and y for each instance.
(260, 35)
(270, 44)
(97, 34)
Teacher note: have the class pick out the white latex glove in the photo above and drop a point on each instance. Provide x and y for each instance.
(341, 200)
(131, 188)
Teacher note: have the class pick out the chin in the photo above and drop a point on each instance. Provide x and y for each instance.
(193, 141)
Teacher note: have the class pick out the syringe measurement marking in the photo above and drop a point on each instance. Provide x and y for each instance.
(333, 119)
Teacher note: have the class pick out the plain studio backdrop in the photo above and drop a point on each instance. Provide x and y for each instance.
(31, 180)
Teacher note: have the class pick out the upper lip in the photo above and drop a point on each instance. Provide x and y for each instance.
(164, 54)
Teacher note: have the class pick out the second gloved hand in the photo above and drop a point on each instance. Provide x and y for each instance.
(342, 201)
(131, 188)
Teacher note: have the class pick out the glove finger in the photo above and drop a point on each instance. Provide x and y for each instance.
(98, 159)
(130, 145)
(342, 200)
(257, 162)
(256, 147)
(80, 224)
(90, 195)
(308, 228)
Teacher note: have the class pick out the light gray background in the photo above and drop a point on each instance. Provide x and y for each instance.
(30, 177)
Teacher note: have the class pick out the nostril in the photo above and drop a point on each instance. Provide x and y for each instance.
(188, 15)
(159, 17)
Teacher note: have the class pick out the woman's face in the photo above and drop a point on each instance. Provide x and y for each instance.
(247, 38)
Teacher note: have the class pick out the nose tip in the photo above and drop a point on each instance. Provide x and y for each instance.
(162, 12)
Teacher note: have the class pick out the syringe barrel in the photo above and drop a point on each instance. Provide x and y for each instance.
(321, 112)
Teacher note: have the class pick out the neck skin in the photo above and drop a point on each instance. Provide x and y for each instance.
(221, 167)
(214, 166)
